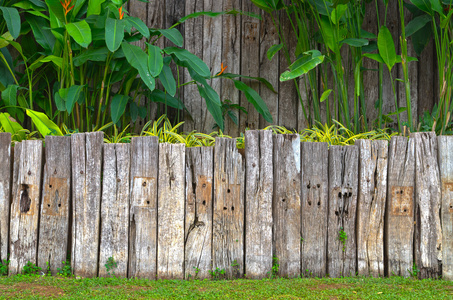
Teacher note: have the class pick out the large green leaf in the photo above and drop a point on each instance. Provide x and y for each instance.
(255, 99)
(273, 50)
(9, 95)
(73, 95)
(6, 78)
(260, 79)
(12, 126)
(99, 54)
(263, 4)
(56, 9)
(139, 25)
(12, 19)
(374, 56)
(192, 60)
(338, 13)
(173, 35)
(118, 106)
(155, 60)
(94, 7)
(386, 47)
(162, 97)
(212, 104)
(355, 42)
(416, 24)
(302, 66)
(80, 32)
(328, 33)
(114, 33)
(167, 79)
(139, 61)
(43, 124)
(42, 33)
(424, 5)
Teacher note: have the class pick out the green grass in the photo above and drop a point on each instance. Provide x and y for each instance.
(37, 287)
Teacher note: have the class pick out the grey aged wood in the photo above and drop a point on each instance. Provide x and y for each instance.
(55, 204)
(428, 231)
(198, 224)
(343, 190)
(115, 209)
(5, 192)
(228, 219)
(86, 154)
(170, 211)
(445, 144)
(143, 208)
(399, 222)
(314, 204)
(372, 196)
(258, 203)
(25, 204)
(286, 204)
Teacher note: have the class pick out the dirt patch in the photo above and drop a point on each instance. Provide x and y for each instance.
(30, 289)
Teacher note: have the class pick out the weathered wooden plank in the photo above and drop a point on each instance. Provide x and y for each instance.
(343, 189)
(54, 221)
(315, 206)
(258, 198)
(428, 231)
(143, 209)
(5, 192)
(445, 144)
(25, 205)
(250, 44)
(399, 223)
(198, 225)
(373, 162)
(286, 204)
(170, 211)
(228, 219)
(86, 153)
(427, 87)
(115, 209)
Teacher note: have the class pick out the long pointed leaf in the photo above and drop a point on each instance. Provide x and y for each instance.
(43, 124)
(80, 32)
(12, 18)
(139, 60)
(114, 33)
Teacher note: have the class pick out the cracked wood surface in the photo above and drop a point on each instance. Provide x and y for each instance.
(343, 188)
(428, 231)
(115, 209)
(314, 204)
(25, 205)
(228, 219)
(143, 207)
(54, 221)
(5, 192)
(373, 162)
(198, 225)
(445, 144)
(258, 198)
(399, 222)
(86, 200)
(170, 211)
(286, 204)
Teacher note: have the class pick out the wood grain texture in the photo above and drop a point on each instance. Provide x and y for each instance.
(86, 154)
(115, 209)
(55, 204)
(170, 211)
(198, 224)
(399, 220)
(25, 205)
(372, 196)
(445, 144)
(143, 208)
(258, 203)
(343, 190)
(428, 231)
(286, 204)
(5, 191)
(228, 219)
(314, 208)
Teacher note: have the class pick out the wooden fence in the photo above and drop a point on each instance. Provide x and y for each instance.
(241, 43)
(167, 211)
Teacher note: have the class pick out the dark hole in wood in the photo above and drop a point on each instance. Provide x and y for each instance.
(223, 179)
(346, 212)
(318, 185)
(81, 172)
(405, 210)
(339, 194)
(283, 200)
(204, 185)
(319, 203)
(144, 183)
(309, 202)
(172, 178)
(147, 202)
(29, 173)
(25, 200)
(224, 208)
(349, 194)
(50, 186)
(48, 205)
(204, 202)
(118, 180)
(337, 213)
(253, 165)
(232, 207)
(401, 191)
(228, 191)
(451, 206)
(308, 186)
(59, 205)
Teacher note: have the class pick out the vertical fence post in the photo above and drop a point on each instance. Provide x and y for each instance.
(373, 163)
(228, 220)
(170, 211)
(399, 223)
(143, 207)
(198, 226)
(343, 186)
(86, 200)
(258, 203)
(115, 210)
(428, 231)
(5, 192)
(54, 221)
(286, 204)
(315, 184)
(25, 205)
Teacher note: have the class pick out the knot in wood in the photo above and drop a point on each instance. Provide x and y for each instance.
(144, 183)
(253, 165)
(118, 180)
(81, 172)
(204, 185)
(29, 173)
(172, 178)
(55, 172)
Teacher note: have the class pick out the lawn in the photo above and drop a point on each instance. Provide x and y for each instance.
(38, 287)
